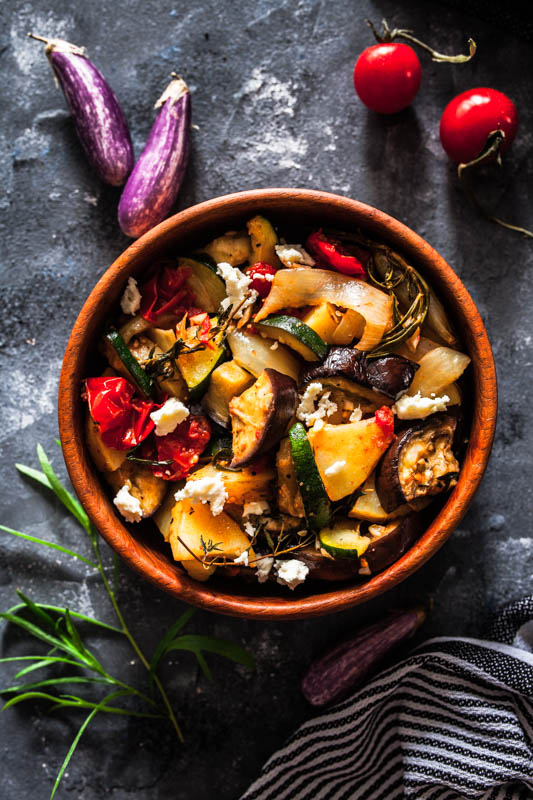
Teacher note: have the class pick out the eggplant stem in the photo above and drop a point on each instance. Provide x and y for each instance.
(39, 38)
(389, 35)
(491, 152)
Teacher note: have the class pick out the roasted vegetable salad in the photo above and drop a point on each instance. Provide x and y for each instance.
(282, 412)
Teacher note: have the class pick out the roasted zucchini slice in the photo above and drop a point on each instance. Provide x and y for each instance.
(232, 248)
(344, 540)
(264, 240)
(206, 285)
(296, 334)
(314, 496)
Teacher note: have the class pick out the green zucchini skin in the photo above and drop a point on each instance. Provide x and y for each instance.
(296, 334)
(206, 285)
(142, 380)
(317, 505)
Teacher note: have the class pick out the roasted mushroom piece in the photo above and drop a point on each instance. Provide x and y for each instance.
(260, 415)
(391, 375)
(420, 463)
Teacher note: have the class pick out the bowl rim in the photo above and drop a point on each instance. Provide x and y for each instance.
(164, 573)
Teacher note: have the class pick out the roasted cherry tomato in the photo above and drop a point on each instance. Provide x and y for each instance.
(387, 76)
(166, 291)
(182, 447)
(262, 275)
(123, 418)
(470, 117)
(385, 420)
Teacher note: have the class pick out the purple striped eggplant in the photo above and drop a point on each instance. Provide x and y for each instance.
(100, 122)
(333, 676)
(154, 184)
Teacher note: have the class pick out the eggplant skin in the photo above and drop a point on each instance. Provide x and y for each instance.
(383, 552)
(260, 415)
(391, 375)
(99, 120)
(156, 179)
(388, 484)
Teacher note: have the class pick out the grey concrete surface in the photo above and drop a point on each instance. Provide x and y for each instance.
(274, 105)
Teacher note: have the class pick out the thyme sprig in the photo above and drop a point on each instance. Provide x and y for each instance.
(408, 289)
(58, 628)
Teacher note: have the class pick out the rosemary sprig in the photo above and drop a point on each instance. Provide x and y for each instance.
(56, 628)
(408, 289)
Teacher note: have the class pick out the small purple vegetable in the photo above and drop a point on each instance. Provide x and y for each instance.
(154, 184)
(333, 676)
(99, 120)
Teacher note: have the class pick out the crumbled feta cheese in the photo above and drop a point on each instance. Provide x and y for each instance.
(257, 507)
(418, 407)
(128, 505)
(264, 565)
(242, 559)
(130, 301)
(356, 414)
(274, 346)
(292, 255)
(169, 416)
(249, 529)
(319, 424)
(291, 573)
(237, 285)
(307, 412)
(210, 490)
(335, 468)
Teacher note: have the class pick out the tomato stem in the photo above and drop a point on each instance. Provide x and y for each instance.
(389, 35)
(491, 152)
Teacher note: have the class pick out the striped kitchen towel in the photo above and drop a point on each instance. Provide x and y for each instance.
(452, 721)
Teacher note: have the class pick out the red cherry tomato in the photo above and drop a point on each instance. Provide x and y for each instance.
(387, 76)
(262, 275)
(469, 118)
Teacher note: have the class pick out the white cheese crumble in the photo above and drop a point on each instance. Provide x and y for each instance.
(418, 407)
(130, 301)
(257, 507)
(307, 412)
(291, 573)
(237, 285)
(292, 255)
(249, 529)
(274, 346)
(210, 490)
(356, 414)
(128, 505)
(319, 424)
(335, 468)
(242, 559)
(169, 416)
(264, 565)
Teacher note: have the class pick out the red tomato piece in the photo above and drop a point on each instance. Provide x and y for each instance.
(165, 292)
(468, 119)
(331, 254)
(183, 447)
(387, 77)
(123, 419)
(262, 275)
(385, 420)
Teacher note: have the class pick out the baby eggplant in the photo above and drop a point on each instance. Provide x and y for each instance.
(260, 415)
(419, 463)
(99, 120)
(154, 184)
(391, 375)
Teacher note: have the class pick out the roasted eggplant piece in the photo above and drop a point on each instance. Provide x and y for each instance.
(390, 542)
(390, 375)
(289, 497)
(260, 415)
(419, 463)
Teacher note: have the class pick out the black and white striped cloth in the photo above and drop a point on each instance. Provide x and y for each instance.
(452, 721)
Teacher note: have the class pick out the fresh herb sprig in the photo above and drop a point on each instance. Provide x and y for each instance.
(57, 627)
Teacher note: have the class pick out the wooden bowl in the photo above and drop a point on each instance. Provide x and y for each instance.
(141, 545)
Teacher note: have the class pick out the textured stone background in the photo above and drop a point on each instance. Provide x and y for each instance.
(273, 99)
